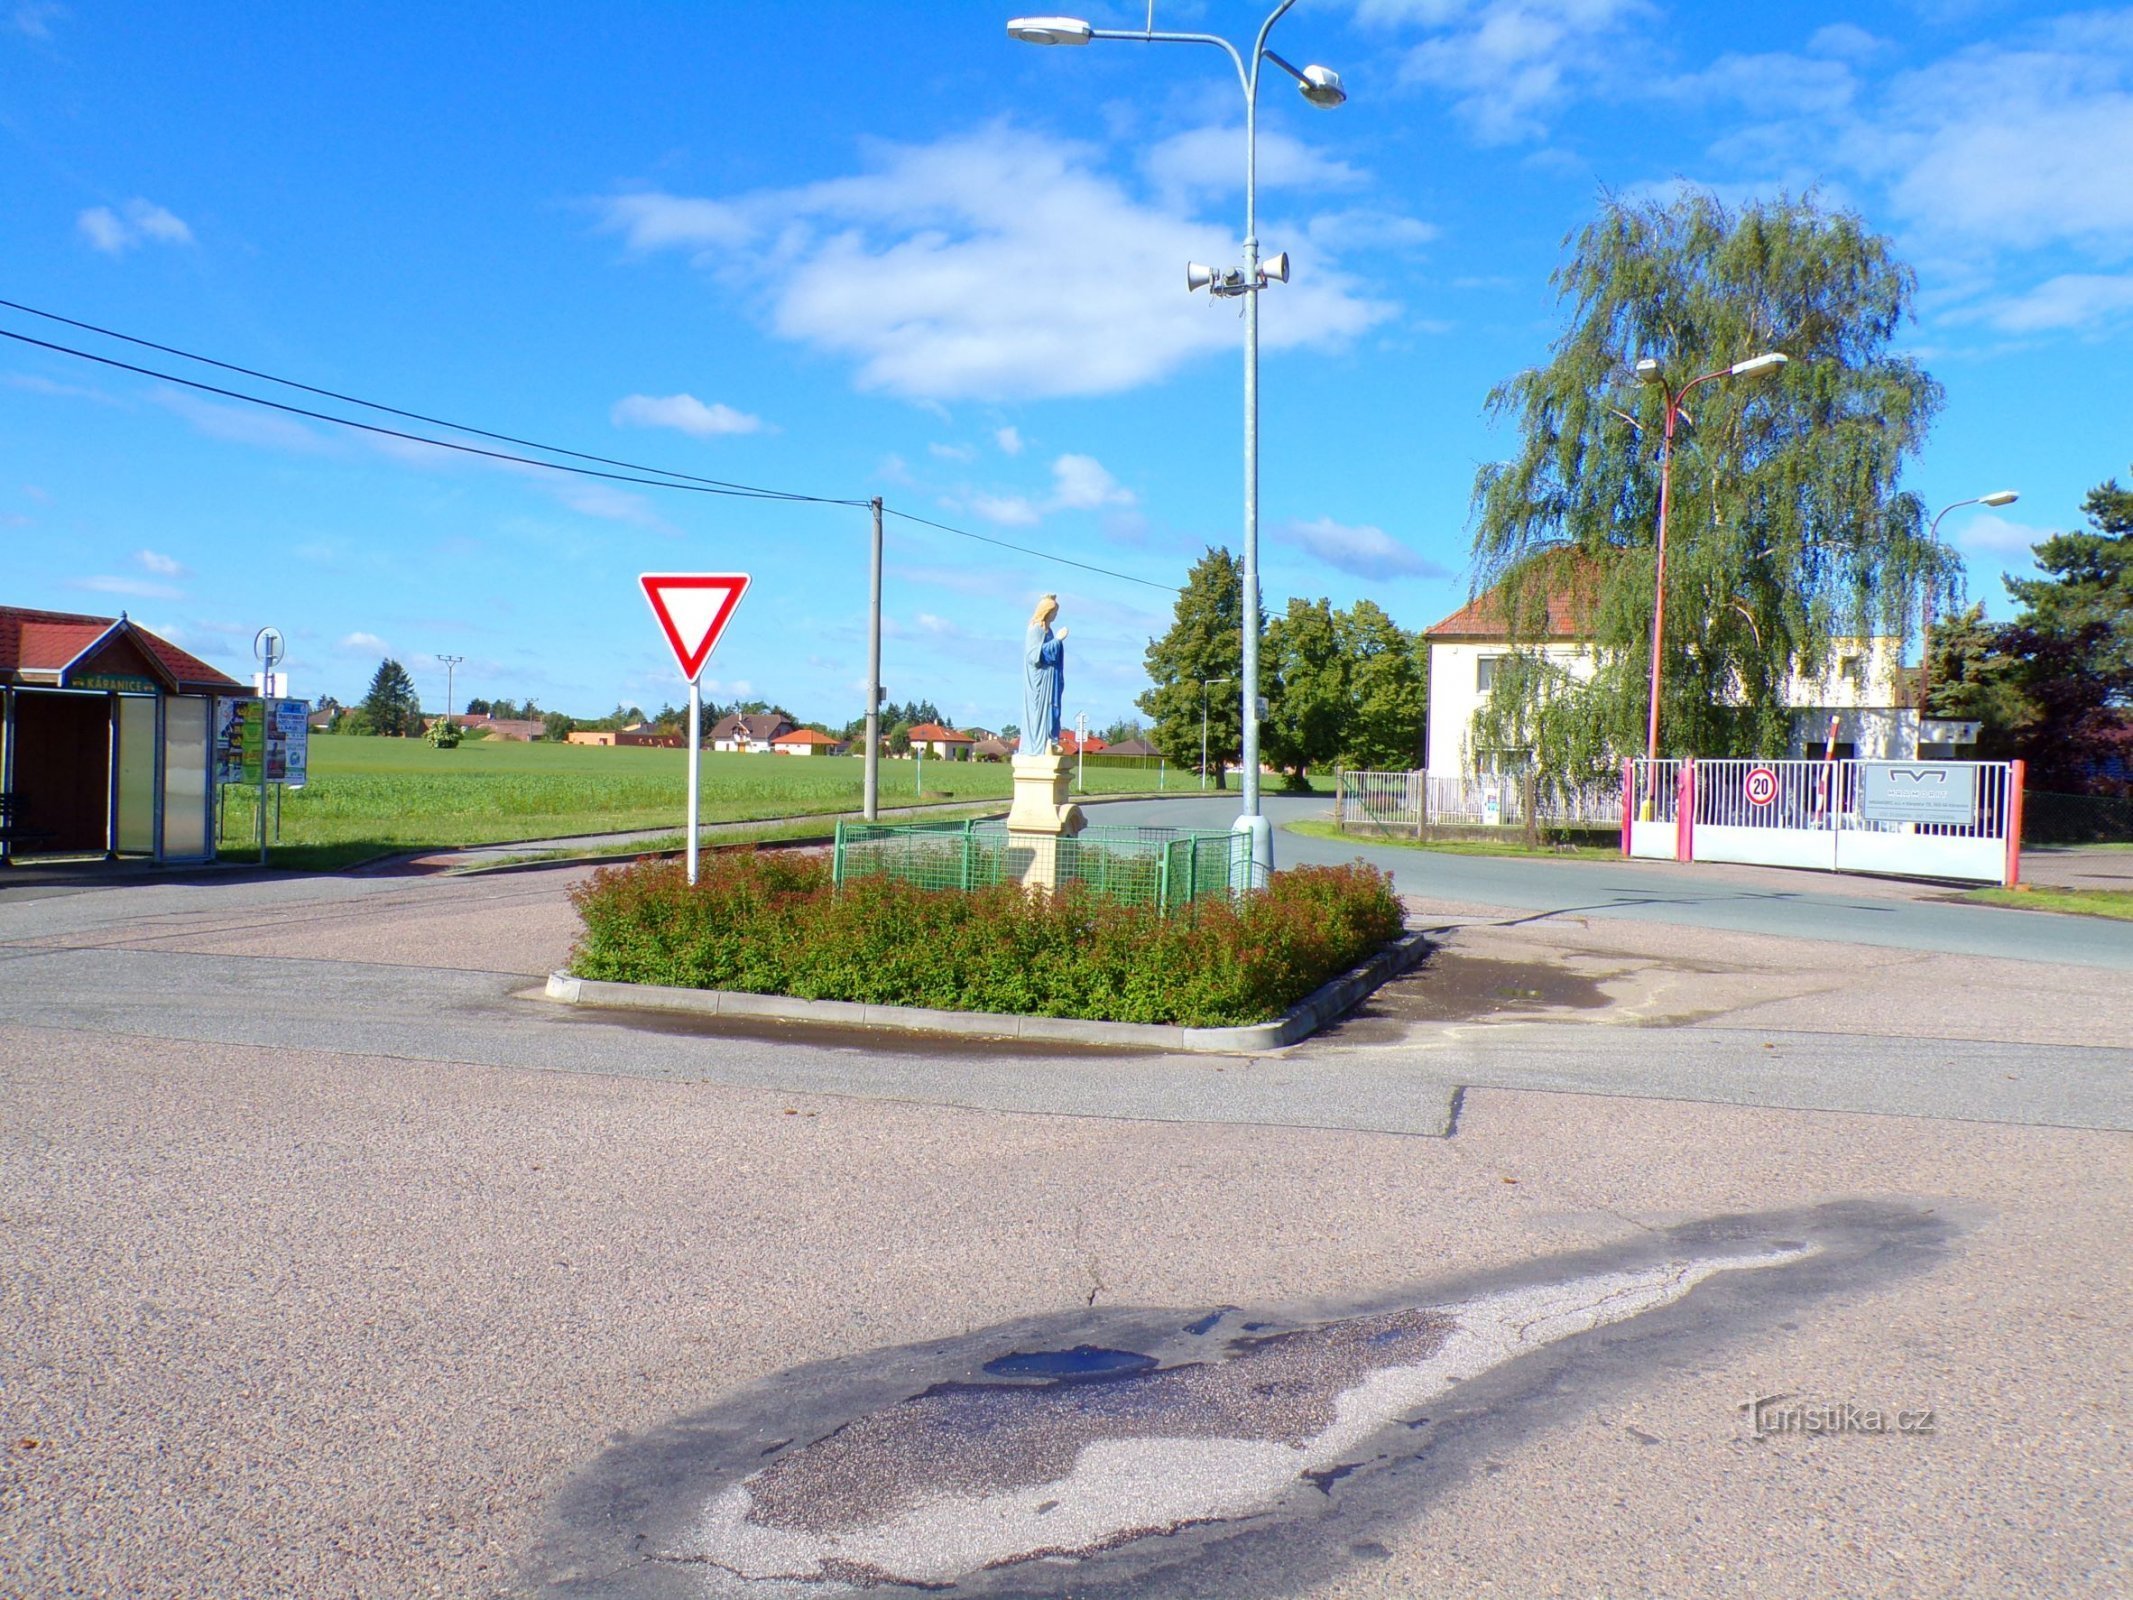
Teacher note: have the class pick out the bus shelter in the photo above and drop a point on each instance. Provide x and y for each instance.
(105, 733)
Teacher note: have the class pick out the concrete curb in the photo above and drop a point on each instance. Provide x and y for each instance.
(1328, 1003)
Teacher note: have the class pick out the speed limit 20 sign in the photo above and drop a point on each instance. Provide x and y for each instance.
(1762, 786)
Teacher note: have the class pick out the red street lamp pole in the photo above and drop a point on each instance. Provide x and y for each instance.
(1648, 372)
(1928, 600)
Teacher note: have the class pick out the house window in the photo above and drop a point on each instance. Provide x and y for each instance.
(1852, 669)
(1485, 673)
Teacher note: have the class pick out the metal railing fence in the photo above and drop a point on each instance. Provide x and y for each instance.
(1160, 867)
(1414, 800)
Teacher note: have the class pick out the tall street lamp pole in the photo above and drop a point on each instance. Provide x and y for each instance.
(1205, 685)
(1322, 87)
(1927, 601)
(1648, 372)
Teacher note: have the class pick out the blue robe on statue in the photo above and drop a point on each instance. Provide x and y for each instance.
(1043, 683)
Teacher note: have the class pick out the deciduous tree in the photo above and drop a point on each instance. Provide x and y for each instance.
(1788, 529)
(1205, 641)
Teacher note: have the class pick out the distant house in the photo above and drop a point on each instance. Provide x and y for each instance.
(752, 734)
(522, 730)
(597, 736)
(647, 736)
(991, 749)
(946, 743)
(323, 719)
(807, 742)
(1070, 745)
(1128, 747)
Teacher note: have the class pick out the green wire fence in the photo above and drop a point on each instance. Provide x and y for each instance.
(1160, 867)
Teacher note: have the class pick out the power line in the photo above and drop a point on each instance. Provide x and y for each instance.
(633, 471)
(733, 491)
(1042, 555)
(395, 411)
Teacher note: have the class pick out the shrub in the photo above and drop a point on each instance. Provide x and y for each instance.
(772, 923)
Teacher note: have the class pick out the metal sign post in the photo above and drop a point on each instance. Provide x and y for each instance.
(267, 646)
(693, 609)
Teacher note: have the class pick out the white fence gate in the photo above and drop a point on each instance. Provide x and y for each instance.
(1918, 819)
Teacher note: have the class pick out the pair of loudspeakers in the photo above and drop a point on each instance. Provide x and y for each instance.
(1229, 280)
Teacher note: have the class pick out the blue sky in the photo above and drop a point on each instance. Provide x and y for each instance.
(854, 250)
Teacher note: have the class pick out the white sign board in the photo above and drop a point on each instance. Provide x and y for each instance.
(1918, 791)
(1936, 730)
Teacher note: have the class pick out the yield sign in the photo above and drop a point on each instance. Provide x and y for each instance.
(693, 609)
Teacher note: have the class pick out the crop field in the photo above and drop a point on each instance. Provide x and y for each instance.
(371, 796)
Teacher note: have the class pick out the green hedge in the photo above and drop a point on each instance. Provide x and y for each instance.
(771, 923)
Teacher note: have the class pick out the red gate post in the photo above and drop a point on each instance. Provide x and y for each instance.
(2017, 774)
(1629, 798)
(1685, 810)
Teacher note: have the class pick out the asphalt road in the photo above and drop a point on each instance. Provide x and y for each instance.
(1799, 905)
(331, 1266)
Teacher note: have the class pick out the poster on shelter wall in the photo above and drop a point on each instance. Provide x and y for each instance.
(263, 741)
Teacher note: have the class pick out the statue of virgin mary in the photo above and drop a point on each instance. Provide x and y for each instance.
(1043, 680)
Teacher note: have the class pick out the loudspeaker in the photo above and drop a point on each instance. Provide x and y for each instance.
(1276, 268)
(1197, 276)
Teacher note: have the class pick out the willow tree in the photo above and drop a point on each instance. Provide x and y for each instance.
(1788, 530)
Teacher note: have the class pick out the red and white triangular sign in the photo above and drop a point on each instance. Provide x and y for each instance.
(693, 609)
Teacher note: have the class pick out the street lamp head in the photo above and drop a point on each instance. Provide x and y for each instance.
(1050, 30)
(1768, 361)
(1322, 87)
(1999, 497)
(1648, 371)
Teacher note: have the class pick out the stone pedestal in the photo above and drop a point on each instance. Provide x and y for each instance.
(1040, 817)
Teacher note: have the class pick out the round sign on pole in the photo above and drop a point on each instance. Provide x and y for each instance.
(1762, 786)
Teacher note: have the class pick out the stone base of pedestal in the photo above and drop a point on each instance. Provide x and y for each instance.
(1040, 817)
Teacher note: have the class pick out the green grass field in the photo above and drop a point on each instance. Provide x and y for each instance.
(369, 797)
(2080, 902)
(1463, 847)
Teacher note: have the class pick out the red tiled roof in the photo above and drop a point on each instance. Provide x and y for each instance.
(47, 641)
(1571, 589)
(934, 733)
(805, 736)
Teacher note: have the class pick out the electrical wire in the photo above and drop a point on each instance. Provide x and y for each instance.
(1042, 555)
(733, 491)
(395, 411)
(634, 472)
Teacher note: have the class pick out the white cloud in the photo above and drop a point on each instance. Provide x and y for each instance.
(684, 413)
(136, 222)
(1511, 65)
(952, 452)
(1009, 440)
(1988, 534)
(1210, 161)
(133, 588)
(1006, 510)
(1365, 551)
(33, 19)
(241, 424)
(606, 501)
(2082, 301)
(940, 271)
(366, 641)
(1080, 483)
(161, 565)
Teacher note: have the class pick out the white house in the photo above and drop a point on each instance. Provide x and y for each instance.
(1861, 689)
(749, 735)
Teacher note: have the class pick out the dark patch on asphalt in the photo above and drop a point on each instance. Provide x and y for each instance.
(1454, 987)
(830, 1036)
(857, 1441)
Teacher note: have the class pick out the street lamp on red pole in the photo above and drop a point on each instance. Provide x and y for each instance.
(1648, 372)
(1927, 601)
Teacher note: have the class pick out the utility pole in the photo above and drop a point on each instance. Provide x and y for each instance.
(870, 806)
(449, 663)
